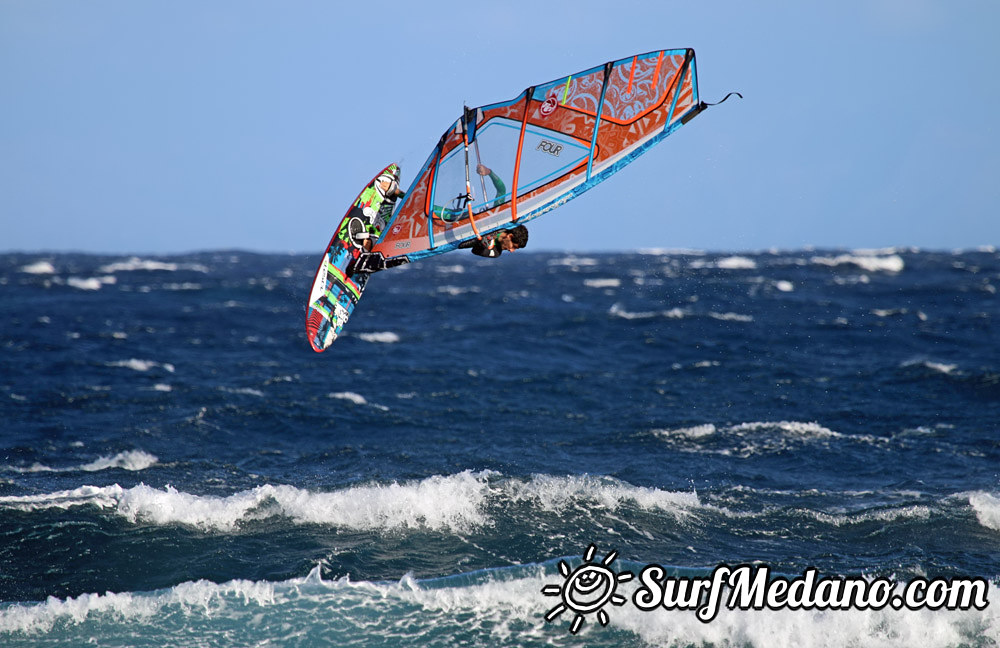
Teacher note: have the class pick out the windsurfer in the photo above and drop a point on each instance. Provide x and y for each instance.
(493, 245)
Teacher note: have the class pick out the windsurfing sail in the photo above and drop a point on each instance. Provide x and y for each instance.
(543, 148)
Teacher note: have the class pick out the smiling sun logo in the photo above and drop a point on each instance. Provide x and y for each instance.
(587, 589)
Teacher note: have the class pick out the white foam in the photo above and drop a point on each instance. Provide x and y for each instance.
(245, 391)
(871, 262)
(694, 432)
(602, 283)
(39, 267)
(753, 438)
(557, 494)
(102, 497)
(383, 337)
(987, 508)
(784, 286)
(355, 398)
(573, 261)
(455, 503)
(177, 287)
(90, 283)
(881, 515)
(134, 460)
(725, 263)
(794, 428)
(200, 597)
(129, 460)
(886, 628)
(736, 263)
(500, 609)
(617, 311)
(671, 251)
(454, 291)
(731, 317)
(134, 264)
(939, 367)
(141, 365)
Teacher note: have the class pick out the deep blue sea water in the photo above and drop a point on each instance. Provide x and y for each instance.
(178, 467)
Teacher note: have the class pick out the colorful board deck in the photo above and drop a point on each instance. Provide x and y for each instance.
(336, 288)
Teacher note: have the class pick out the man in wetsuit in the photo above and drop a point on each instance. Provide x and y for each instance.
(492, 245)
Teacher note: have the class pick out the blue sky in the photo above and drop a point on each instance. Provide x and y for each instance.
(154, 127)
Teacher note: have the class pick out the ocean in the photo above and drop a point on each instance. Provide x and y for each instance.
(179, 468)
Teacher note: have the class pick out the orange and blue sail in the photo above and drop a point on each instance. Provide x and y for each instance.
(549, 144)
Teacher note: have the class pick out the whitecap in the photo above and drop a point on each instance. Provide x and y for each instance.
(602, 283)
(134, 460)
(731, 317)
(178, 287)
(455, 503)
(573, 261)
(245, 391)
(832, 628)
(736, 263)
(671, 251)
(693, 432)
(881, 515)
(987, 509)
(725, 263)
(454, 291)
(501, 608)
(871, 263)
(795, 428)
(90, 283)
(559, 493)
(39, 267)
(384, 337)
(355, 398)
(940, 367)
(126, 607)
(141, 365)
(616, 310)
(102, 497)
(134, 264)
